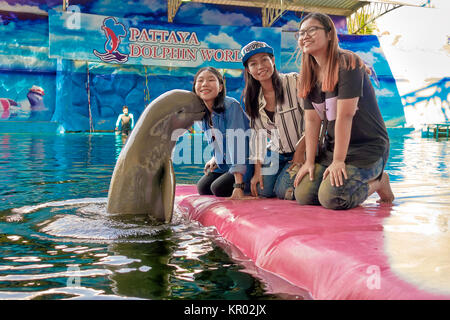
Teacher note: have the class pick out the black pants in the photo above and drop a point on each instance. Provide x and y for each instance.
(218, 184)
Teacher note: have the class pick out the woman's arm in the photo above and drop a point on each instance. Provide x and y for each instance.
(257, 153)
(312, 130)
(237, 148)
(299, 155)
(300, 148)
(346, 109)
(238, 193)
(257, 178)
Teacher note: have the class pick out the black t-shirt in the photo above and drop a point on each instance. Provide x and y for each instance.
(369, 140)
(270, 114)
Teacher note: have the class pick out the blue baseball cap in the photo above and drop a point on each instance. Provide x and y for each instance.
(253, 48)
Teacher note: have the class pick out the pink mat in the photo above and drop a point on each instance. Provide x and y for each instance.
(331, 254)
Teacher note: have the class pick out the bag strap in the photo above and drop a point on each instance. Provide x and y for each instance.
(322, 132)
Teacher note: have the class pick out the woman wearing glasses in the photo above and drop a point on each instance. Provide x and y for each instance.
(276, 115)
(353, 147)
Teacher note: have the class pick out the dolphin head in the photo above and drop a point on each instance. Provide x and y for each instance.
(184, 115)
(172, 111)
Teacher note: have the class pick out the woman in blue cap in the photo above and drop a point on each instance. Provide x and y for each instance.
(276, 118)
(228, 172)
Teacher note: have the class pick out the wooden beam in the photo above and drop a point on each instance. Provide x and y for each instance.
(172, 9)
(419, 3)
(270, 13)
(291, 6)
(368, 14)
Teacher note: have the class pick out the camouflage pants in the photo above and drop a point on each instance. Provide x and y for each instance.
(352, 193)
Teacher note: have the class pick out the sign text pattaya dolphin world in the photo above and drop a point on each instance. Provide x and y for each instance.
(77, 36)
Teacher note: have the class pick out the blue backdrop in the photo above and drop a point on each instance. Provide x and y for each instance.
(68, 84)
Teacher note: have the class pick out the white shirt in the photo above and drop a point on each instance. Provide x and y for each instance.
(288, 126)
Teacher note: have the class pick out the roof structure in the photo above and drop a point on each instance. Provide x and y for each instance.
(273, 9)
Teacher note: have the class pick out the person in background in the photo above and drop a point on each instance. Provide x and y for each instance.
(353, 147)
(228, 172)
(276, 115)
(126, 121)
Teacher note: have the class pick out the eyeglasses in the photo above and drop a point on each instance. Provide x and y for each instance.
(310, 32)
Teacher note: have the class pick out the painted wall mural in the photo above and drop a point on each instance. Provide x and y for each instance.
(87, 92)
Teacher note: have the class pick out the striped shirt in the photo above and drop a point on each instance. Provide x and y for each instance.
(282, 134)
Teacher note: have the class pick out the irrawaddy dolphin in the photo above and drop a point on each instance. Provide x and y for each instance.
(143, 181)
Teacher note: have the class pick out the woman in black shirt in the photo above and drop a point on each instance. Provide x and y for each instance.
(354, 144)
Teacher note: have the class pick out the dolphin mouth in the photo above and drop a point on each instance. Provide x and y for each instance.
(194, 112)
(201, 114)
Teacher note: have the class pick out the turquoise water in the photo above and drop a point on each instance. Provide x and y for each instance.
(58, 242)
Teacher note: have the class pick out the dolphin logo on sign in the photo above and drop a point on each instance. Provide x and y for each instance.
(114, 31)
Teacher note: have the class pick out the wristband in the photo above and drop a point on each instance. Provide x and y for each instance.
(239, 185)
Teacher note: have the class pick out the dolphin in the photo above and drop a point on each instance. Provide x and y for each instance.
(143, 181)
(113, 32)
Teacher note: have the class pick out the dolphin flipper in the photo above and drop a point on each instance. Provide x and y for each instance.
(168, 189)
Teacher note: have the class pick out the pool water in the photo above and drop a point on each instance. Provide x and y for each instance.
(58, 242)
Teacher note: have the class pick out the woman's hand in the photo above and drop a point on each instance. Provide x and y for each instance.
(297, 161)
(210, 166)
(237, 194)
(257, 178)
(299, 157)
(337, 173)
(307, 168)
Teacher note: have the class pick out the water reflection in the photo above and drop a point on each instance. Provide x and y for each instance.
(417, 236)
(120, 140)
(80, 251)
(47, 240)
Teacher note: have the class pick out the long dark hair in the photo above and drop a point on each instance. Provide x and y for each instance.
(252, 88)
(219, 100)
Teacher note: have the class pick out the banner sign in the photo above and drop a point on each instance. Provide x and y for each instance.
(78, 36)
